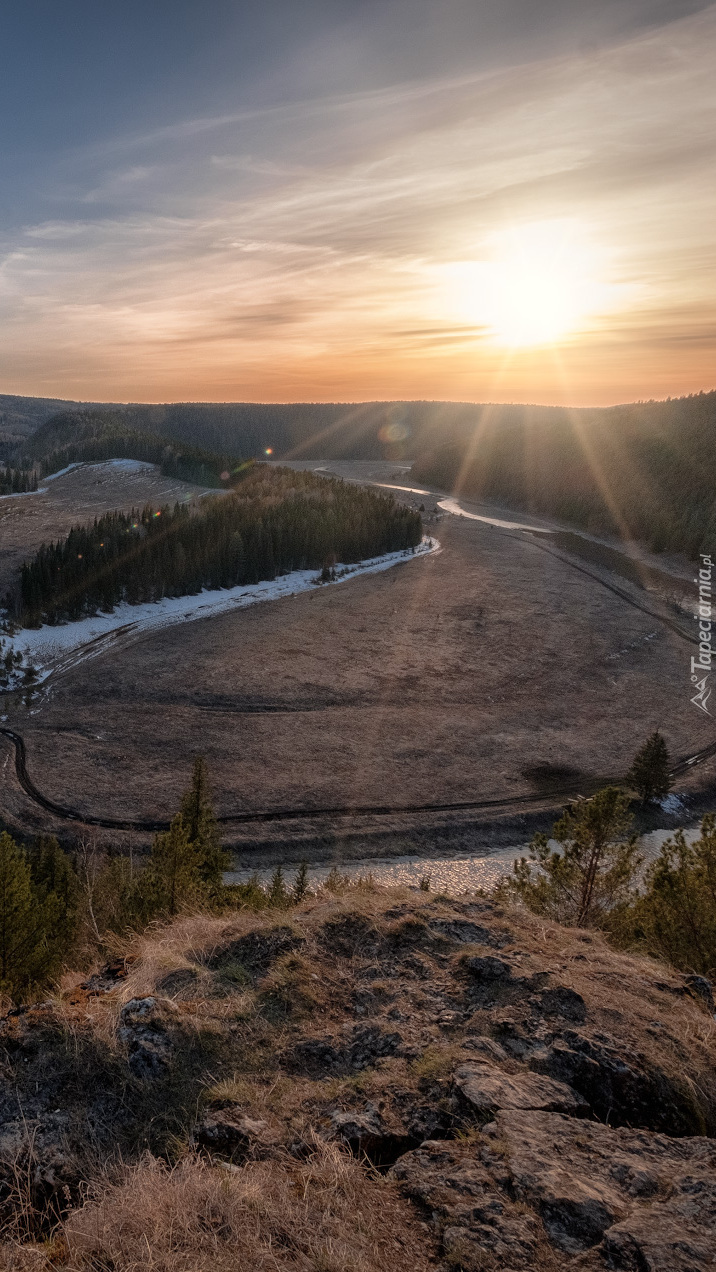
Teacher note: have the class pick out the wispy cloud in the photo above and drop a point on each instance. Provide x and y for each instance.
(299, 251)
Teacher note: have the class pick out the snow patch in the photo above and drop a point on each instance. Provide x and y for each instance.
(672, 804)
(62, 472)
(49, 648)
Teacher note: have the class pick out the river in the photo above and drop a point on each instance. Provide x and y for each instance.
(453, 875)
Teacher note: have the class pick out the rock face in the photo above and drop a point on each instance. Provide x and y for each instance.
(542, 1190)
(487, 1088)
(614, 1088)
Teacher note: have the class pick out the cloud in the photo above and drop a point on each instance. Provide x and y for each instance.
(313, 243)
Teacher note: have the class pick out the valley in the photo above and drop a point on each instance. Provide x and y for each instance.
(477, 675)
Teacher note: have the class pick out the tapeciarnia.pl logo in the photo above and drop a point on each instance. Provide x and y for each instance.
(701, 667)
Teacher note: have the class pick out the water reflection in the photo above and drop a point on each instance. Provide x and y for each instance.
(451, 875)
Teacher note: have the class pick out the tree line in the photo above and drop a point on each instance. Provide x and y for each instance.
(17, 481)
(275, 521)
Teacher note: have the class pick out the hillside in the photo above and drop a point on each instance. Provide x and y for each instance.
(376, 1075)
(643, 471)
(20, 417)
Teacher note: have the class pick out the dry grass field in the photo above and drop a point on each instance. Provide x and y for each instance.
(443, 679)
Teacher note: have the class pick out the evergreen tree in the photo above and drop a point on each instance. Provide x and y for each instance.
(24, 956)
(649, 774)
(57, 889)
(592, 872)
(300, 888)
(202, 832)
(172, 878)
(675, 916)
(278, 894)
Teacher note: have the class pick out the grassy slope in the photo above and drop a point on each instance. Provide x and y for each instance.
(361, 1003)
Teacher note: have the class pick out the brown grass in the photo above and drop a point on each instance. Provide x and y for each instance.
(321, 1215)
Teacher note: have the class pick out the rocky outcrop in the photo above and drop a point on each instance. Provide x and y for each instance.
(542, 1190)
(544, 1101)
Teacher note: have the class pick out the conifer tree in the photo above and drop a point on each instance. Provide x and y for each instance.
(594, 868)
(172, 877)
(278, 894)
(57, 889)
(300, 888)
(199, 822)
(649, 774)
(24, 957)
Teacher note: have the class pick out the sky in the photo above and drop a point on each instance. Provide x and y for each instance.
(348, 200)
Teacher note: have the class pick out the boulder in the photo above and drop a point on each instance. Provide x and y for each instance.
(486, 1087)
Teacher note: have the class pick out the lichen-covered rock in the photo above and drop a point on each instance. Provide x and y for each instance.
(486, 1087)
(231, 1132)
(145, 1026)
(358, 1049)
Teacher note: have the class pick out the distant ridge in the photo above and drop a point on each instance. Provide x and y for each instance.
(642, 470)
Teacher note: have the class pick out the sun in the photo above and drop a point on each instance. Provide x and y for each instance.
(540, 284)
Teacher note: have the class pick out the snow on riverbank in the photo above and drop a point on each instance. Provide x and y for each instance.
(452, 506)
(45, 647)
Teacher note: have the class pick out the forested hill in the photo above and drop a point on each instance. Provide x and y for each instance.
(274, 522)
(644, 471)
(93, 436)
(246, 430)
